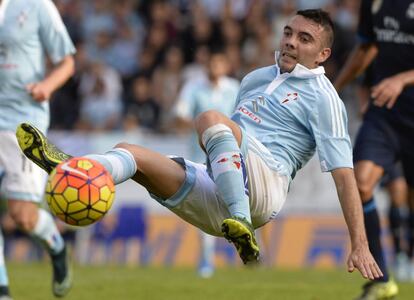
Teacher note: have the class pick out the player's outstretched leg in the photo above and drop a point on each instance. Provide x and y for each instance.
(38, 149)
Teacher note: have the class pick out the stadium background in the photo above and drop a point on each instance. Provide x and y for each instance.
(160, 45)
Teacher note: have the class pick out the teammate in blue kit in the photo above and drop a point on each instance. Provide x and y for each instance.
(386, 29)
(284, 113)
(28, 29)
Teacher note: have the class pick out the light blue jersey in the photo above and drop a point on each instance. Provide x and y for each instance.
(292, 114)
(28, 29)
(198, 96)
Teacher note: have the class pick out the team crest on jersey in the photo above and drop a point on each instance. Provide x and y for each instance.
(290, 97)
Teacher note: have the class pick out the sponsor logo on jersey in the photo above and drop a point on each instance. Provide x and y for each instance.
(249, 114)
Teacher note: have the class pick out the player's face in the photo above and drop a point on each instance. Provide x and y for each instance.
(302, 42)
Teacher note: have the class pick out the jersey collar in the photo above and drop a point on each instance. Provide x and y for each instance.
(301, 71)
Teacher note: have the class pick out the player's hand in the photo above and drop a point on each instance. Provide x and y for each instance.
(387, 91)
(361, 259)
(39, 91)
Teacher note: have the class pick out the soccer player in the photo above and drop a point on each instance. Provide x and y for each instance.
(216, 91)
(284, 113)
(386, 135)
(28, 28)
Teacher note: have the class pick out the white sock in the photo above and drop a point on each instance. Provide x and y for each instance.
(119, 162)
(4, 280)
(47, 232)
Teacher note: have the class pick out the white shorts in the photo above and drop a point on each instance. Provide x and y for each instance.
(197, 201)
(21, 179)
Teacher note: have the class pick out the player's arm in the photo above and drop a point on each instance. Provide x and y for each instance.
(56, 41)
(42, 90)
(357, 62)
(364, 52)
(360, 257)
(387, 91)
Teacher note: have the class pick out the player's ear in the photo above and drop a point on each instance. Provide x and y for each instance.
(323, 55)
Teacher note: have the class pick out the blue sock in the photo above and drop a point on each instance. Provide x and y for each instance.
(395, 220)
(228, 170)
(120, 163)
(373, 230)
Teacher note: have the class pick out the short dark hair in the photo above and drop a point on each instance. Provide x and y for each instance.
(322, 18)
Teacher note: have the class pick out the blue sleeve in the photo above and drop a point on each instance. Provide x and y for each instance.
(53, 33)
(329, 125)
(365, 25)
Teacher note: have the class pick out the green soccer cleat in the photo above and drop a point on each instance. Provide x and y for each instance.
(38, 148)
(376, 290)
(239, 232)
(62, 274)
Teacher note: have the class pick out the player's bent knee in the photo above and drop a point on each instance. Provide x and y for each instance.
(208, 119)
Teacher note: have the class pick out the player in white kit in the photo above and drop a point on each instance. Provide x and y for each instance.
(28, 30)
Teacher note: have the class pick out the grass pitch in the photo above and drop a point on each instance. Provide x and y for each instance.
(32, 282)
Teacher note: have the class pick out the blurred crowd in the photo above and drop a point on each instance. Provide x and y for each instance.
(134, 56)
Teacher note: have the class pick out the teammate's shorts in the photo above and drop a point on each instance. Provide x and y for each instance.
(376, 141)
(22, 179)
(197, 201)
(385, 143)
(394, 173)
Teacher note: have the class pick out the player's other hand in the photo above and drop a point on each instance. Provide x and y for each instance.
(361, 259)
(387, 91)
(39, 91)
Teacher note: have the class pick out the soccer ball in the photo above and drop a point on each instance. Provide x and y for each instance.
(80, 191)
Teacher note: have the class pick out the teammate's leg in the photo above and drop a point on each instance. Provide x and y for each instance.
(221, 139)
(23, 187)
(39, 224)
(206, 260)
(398, 193)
